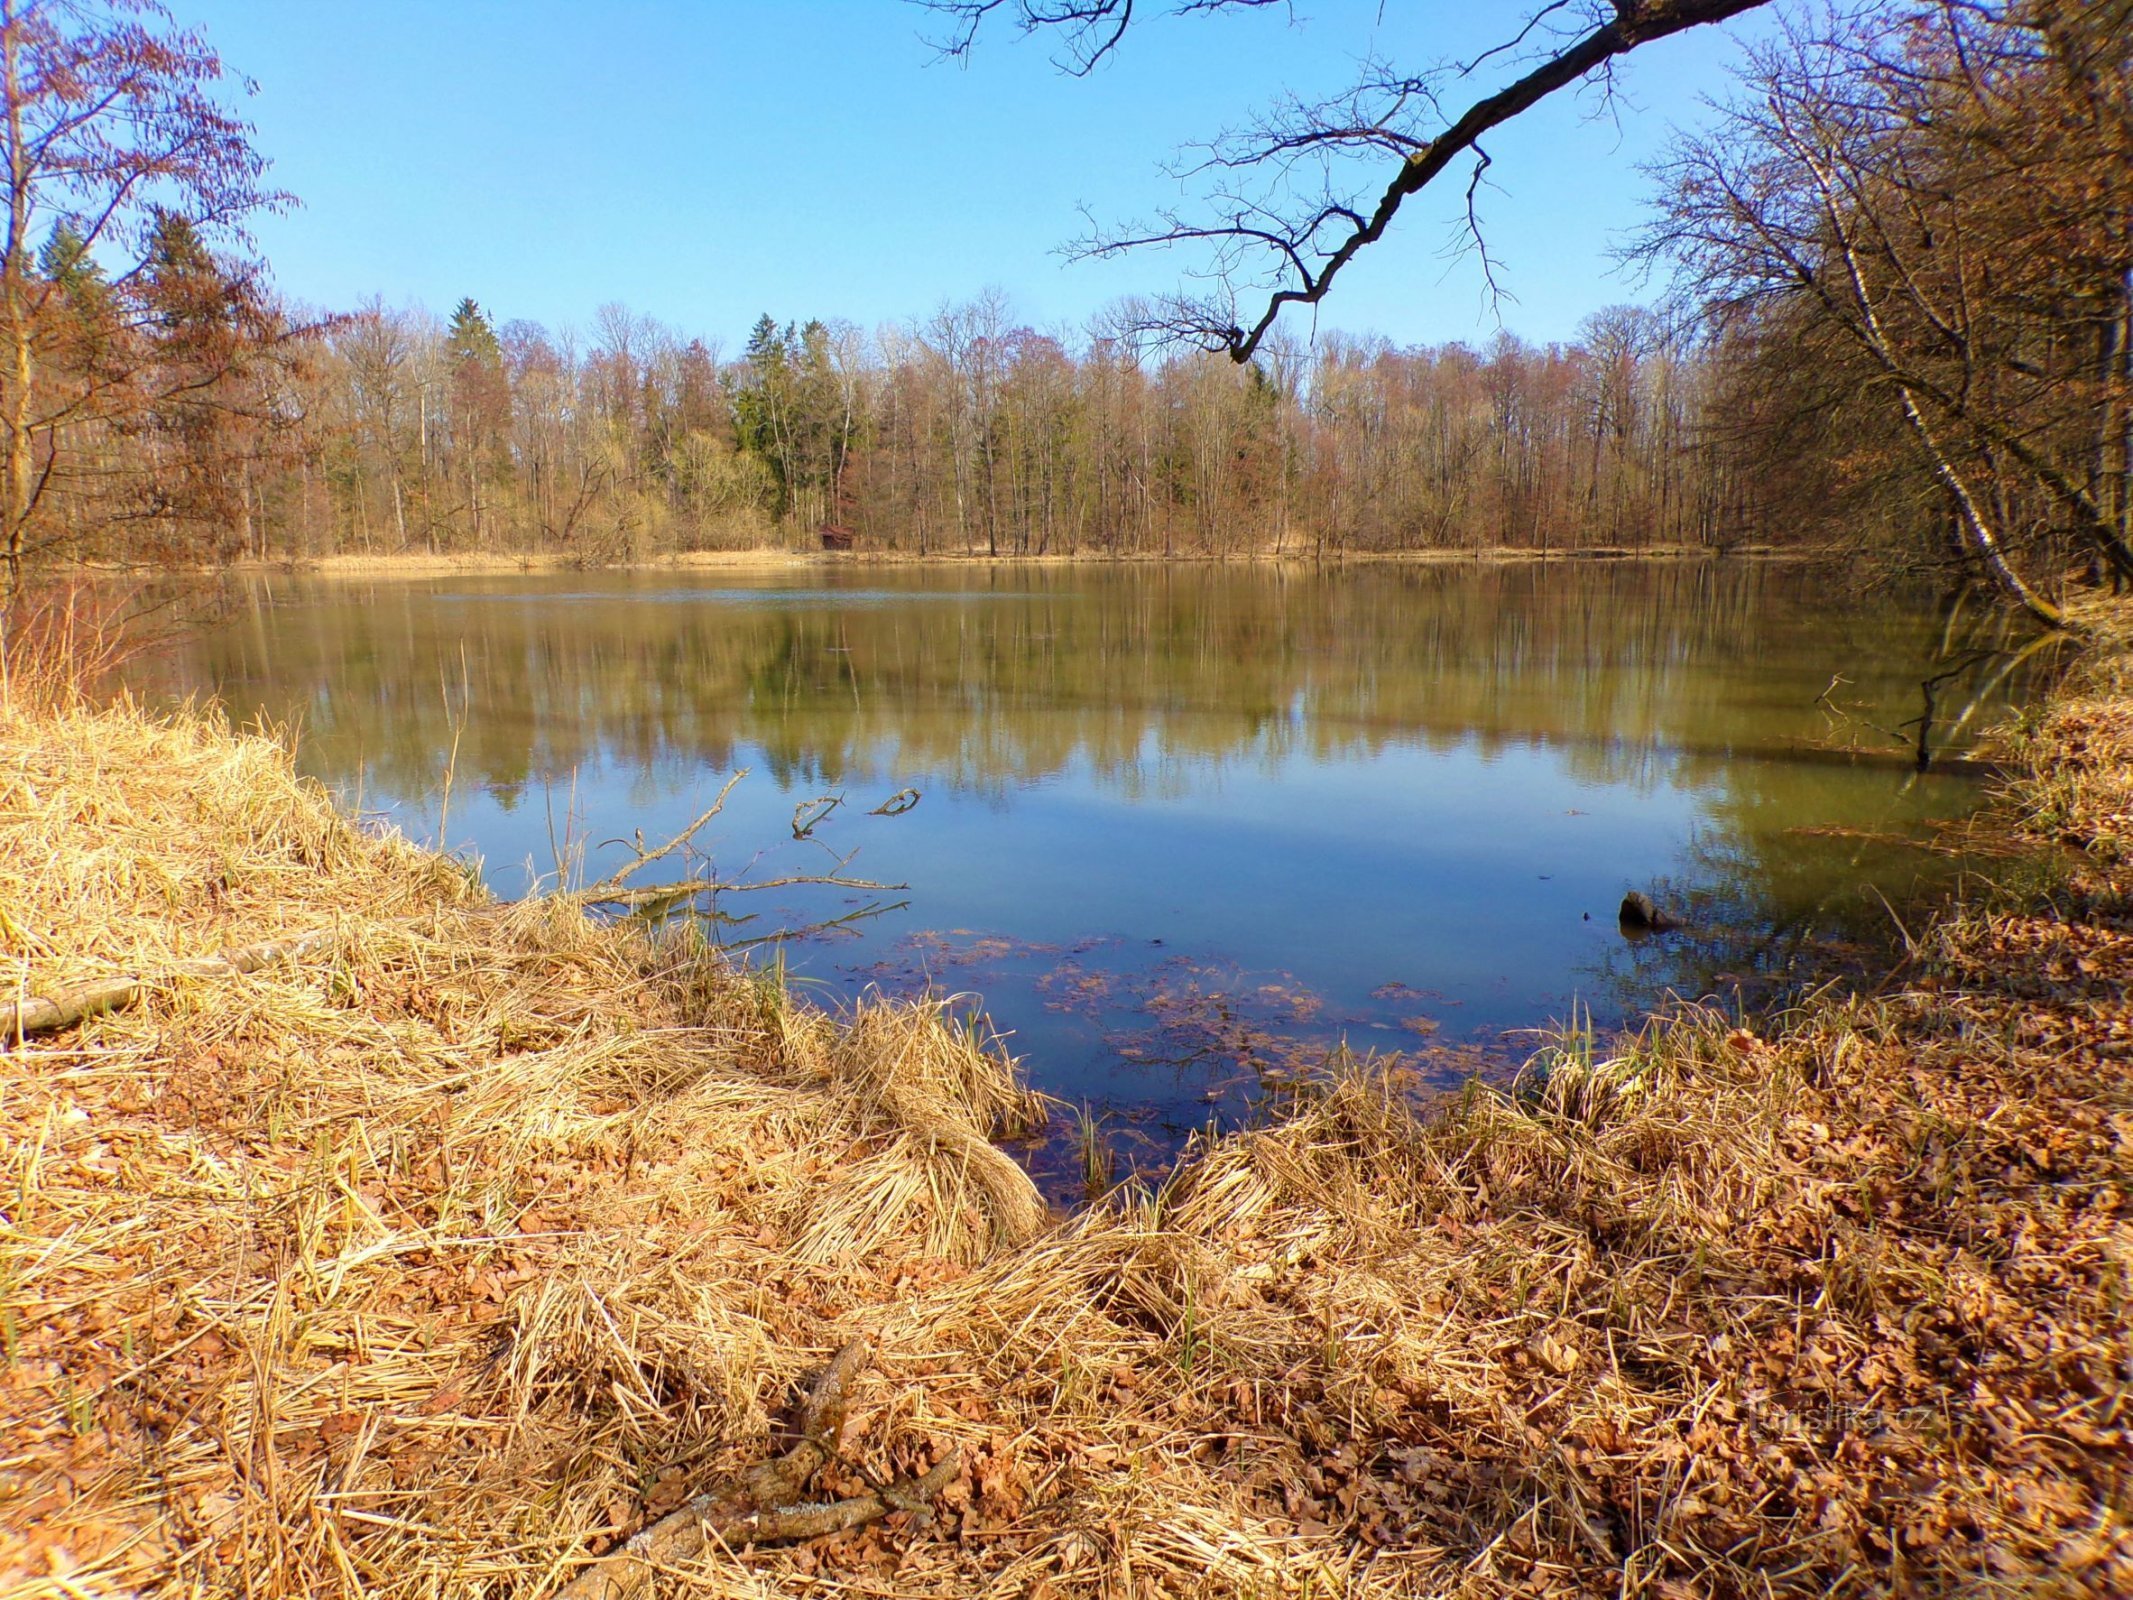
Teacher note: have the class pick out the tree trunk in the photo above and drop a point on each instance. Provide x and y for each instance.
(14, 306)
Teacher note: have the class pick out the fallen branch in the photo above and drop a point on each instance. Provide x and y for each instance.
(689, 888)
(763, 1505)
(43, 1013)
(594, 894)
(617, 894)
(809, 812)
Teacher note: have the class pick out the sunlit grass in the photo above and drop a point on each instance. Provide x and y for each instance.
(434, 1263)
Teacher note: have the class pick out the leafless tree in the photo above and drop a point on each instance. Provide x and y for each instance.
(117, 159)
(1294, 195)
(1932, 197)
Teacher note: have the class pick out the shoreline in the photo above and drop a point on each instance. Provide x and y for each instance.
(773, 559)
(417, 565)
(483, 1235)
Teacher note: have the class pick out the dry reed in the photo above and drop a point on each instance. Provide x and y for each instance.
(436, 1264)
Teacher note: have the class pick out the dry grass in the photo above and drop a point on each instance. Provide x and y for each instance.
(417, 564)
(428, 1268)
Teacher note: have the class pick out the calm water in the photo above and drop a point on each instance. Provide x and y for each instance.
(1181, 829)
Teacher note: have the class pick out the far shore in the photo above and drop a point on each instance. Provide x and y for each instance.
(422, 564)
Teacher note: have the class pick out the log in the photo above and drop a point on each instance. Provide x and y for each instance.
(763, 1505)
(44, 1013)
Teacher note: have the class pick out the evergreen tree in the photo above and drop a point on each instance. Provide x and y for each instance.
(82, 325)
(480, 405)
(64, 258)
(762, 408)
(212, 341)
(471, 338)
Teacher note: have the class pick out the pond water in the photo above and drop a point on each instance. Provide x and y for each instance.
(1179, 830)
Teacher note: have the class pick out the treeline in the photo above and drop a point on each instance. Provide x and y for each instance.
(971, 434)
(1902, 320)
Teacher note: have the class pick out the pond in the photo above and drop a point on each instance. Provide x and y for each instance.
(1179, 830)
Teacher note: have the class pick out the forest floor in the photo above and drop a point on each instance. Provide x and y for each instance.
(446, 1254)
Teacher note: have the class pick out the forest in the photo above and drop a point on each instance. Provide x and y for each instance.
(1896, 272)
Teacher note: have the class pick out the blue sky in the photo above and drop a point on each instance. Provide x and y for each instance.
(703, 161)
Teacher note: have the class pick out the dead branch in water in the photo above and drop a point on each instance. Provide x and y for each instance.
(763, 1505)
(653, 894)
(596, 894)
(616, 891)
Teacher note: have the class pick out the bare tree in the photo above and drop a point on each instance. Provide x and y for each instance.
(111, 133)
(1940, 190)
(1298, 193)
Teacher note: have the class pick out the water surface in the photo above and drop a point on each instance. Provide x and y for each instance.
(1182, 829)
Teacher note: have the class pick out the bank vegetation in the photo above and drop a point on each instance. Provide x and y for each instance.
(446, 1253)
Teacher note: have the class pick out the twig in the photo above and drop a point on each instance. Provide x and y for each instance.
(763, 1504)
(592, 895)
(815, 929)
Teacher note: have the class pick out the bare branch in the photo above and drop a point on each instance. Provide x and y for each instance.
(1091, 29)
(1291, 234)
(764, 1505)
(601, 893)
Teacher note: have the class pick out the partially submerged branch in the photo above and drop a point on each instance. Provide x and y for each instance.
(598, 894)
(616, 893)
(653, 894)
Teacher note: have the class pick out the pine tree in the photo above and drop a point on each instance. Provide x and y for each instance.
(470, 338)
(213, 343)
(762, 410)
(481, 405)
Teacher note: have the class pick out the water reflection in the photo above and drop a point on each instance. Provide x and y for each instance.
(1378, 804)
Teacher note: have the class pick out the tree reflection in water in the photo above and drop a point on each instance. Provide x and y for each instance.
(1214, 819)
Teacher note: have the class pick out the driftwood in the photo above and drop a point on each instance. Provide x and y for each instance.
(43, 1013)
(763, 1505)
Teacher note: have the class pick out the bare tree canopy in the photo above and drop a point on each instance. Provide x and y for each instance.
(120, 171)
(1927, 203)
(1288, 200)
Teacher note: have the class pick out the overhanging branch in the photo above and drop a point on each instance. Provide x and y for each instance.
(1307, 255)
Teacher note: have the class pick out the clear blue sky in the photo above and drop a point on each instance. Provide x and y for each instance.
(703, 161)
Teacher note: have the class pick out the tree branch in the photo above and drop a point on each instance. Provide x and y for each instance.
(763, 1505)
(1305, 264)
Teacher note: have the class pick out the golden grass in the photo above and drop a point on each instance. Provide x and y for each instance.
(420, 564)
(433, 1265)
